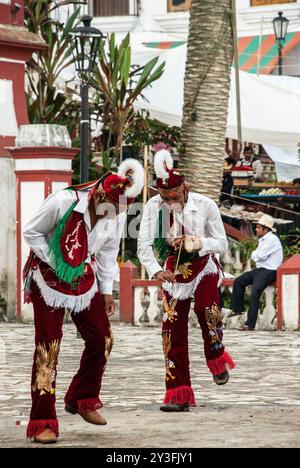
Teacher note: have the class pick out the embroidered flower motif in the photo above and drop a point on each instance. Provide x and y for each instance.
(46, 364)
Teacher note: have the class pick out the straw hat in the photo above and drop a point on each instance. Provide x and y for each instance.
(229, 163)
(267, 221)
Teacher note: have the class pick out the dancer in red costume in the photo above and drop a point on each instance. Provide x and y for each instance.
(186, 231)
(74, 240)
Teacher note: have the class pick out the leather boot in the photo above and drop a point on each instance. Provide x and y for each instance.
(170, 407)
(221, 379)
(92, 417)
(46, 437)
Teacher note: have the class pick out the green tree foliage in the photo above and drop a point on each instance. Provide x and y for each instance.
(119, 84)
(46, 103)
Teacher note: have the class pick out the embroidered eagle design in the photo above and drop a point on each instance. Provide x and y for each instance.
(46, 361)
(167, 344)
(169, 310)
(109, 342)
(214, 323)
(72, 242)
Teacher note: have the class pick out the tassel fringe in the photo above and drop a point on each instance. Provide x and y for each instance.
(35, 427)
(219, 365)
(57, 299)
(180, 396)
(91, 404)
(184, 291)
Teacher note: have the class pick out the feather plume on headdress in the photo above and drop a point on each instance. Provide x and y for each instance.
(163, 163)
(133, 171)
(167, 177)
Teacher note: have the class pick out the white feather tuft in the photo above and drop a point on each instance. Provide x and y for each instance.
(138, 176)
(162, 158)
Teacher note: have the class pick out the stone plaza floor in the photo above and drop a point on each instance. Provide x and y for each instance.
(259, 407)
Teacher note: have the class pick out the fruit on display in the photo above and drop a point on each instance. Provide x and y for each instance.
(271, 191)
(293, 192)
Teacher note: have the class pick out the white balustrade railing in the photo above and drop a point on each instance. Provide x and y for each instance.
(151, 313)
(148, 313)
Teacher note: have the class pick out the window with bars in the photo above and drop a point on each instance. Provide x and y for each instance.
(115, 7)
(179, 5)
(270, 2)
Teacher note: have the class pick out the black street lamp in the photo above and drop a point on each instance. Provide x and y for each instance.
(85, 52)
(280, 24)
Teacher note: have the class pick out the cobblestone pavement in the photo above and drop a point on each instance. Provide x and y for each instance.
(260, 406)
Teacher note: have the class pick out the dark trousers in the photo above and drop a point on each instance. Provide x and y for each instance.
(83, 393)
(259, 278)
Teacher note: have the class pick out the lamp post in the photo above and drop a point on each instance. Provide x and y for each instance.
(87, 40)
(280, 25)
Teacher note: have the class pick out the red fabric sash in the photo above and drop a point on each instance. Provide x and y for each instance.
(194, 267)
(73, 241)
(78, 287)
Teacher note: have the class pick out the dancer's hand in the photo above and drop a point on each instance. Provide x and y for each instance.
(109, 304)
(178, 242)
(165, 276)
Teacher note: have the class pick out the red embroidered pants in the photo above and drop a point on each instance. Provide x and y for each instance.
(175, 343)
(83, 393)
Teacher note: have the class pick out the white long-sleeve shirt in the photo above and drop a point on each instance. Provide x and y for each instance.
(256, 166)
(200, 217)
(269, 253)
(103, 239)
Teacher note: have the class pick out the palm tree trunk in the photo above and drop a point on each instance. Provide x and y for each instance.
(207, 81)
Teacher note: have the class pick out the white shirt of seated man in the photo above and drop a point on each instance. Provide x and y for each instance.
(269, 252)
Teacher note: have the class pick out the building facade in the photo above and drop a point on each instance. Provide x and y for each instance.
(257, 47)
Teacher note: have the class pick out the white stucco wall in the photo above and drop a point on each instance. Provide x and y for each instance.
(8, 234)
(50, 164)
(58, 186)
(249, 18)
(8, 125)
(32, 196)
(290, 304)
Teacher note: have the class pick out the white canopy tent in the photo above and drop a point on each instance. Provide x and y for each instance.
(270, 109)
(286, 161)
(270, 105)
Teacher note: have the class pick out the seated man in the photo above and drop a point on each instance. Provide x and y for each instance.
(251, 160)
(268, 257)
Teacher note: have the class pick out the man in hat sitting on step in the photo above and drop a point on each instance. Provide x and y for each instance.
(268, 257)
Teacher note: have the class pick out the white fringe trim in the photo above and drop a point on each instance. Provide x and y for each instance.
(184, 291)
(57, 299)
